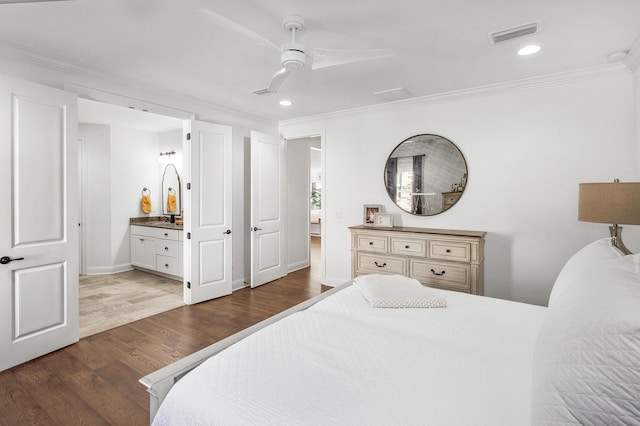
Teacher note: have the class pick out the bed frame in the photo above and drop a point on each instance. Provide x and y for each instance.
(161, 381)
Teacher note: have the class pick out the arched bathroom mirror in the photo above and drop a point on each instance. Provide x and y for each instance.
(171, 196)
(425, 174)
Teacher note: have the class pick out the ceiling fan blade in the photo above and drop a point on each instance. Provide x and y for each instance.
(233, 27)
(323, 58)
(278, 78)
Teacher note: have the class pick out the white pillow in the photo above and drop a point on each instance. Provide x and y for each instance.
(590, 256)
(587, 356)
(397, 291)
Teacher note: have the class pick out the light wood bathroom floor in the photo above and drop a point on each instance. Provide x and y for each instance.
(108, 301)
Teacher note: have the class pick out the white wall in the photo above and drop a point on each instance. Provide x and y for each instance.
(527, 148)
(97, 197)
(298, 203)
(636, 91)
(119, 163)
(134, 166)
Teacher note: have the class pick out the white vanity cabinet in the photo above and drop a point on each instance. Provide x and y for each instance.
(157, 250)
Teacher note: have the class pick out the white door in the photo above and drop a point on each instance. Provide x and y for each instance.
(38, 221)
(268, 202)
(207, 225)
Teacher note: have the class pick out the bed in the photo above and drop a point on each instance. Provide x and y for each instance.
(482, 361)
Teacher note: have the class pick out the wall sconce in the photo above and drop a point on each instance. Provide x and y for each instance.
(615, 203)
(165, 157)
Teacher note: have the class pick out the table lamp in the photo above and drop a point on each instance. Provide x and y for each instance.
(616, 203)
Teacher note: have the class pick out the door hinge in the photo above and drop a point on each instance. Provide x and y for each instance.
(188, 235)
(189, 136)
(188, 185)
(188, 284)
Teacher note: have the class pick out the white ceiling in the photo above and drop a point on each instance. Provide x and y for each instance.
(442, 45)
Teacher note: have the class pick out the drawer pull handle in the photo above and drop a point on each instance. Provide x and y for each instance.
(166, 235)
(448, 250)
(370, 243)
(438, 274)
(380, 266)
(166, 248)
(407, 247)
(166, 265)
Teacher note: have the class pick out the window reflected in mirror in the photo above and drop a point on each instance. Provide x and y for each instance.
(426, 175)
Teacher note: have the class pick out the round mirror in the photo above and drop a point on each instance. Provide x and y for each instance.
(425, 175)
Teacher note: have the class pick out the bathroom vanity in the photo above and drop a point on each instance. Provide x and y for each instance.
(157, 246)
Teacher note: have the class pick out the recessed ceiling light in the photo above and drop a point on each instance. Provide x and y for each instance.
(529, 50)
(286, 102)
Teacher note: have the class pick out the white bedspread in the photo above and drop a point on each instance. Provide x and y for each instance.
(343, 362)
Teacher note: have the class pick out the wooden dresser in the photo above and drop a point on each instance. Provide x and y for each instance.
(442, 258)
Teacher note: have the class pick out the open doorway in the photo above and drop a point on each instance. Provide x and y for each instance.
(315, 206)
(305, 199)
(119, 161)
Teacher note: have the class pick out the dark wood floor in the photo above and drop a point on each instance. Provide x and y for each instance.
(95, 381)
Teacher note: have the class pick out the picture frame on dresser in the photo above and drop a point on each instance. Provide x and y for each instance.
(368, 213)
(384, 220)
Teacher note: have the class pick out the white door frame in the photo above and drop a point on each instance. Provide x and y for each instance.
(82, 215)
(323, 173)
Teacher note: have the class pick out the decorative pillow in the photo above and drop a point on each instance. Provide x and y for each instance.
(587, 357)
(397, 291)
(590, 256)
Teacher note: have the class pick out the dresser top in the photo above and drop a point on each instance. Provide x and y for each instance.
(458, 232)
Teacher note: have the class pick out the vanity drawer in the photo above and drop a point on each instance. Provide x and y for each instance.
(448, 250)
(408, 247)
(163, 233)
(371, 243)
(374, 264)
(167, 234)
(443, 275)
(168, 265)
(167, 248)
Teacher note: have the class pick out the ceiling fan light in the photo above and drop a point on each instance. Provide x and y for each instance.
(293, 59)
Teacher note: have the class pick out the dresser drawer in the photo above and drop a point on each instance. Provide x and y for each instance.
(168, 265)
(448, 250)
(367, 263)
(167, 248)
(443, 275)
(408, 247)
(371, 243)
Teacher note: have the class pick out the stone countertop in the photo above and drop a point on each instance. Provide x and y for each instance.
(155, 222)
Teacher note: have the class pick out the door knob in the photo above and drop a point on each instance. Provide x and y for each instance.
(228, 231)
(255, 228)
(6, 259)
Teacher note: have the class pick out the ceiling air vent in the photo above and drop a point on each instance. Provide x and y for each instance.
(391, 95)
(515, 32)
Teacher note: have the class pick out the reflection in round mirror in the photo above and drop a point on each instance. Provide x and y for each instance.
(425, 175)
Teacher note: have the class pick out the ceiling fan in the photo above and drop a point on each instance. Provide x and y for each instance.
(293, 55)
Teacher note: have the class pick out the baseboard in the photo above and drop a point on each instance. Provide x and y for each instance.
(298, 265)
(239, 284)
(334, 282)
(105, 270)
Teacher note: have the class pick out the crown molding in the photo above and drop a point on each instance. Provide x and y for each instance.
(633, 57)
(89, 76)
(510, 86)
